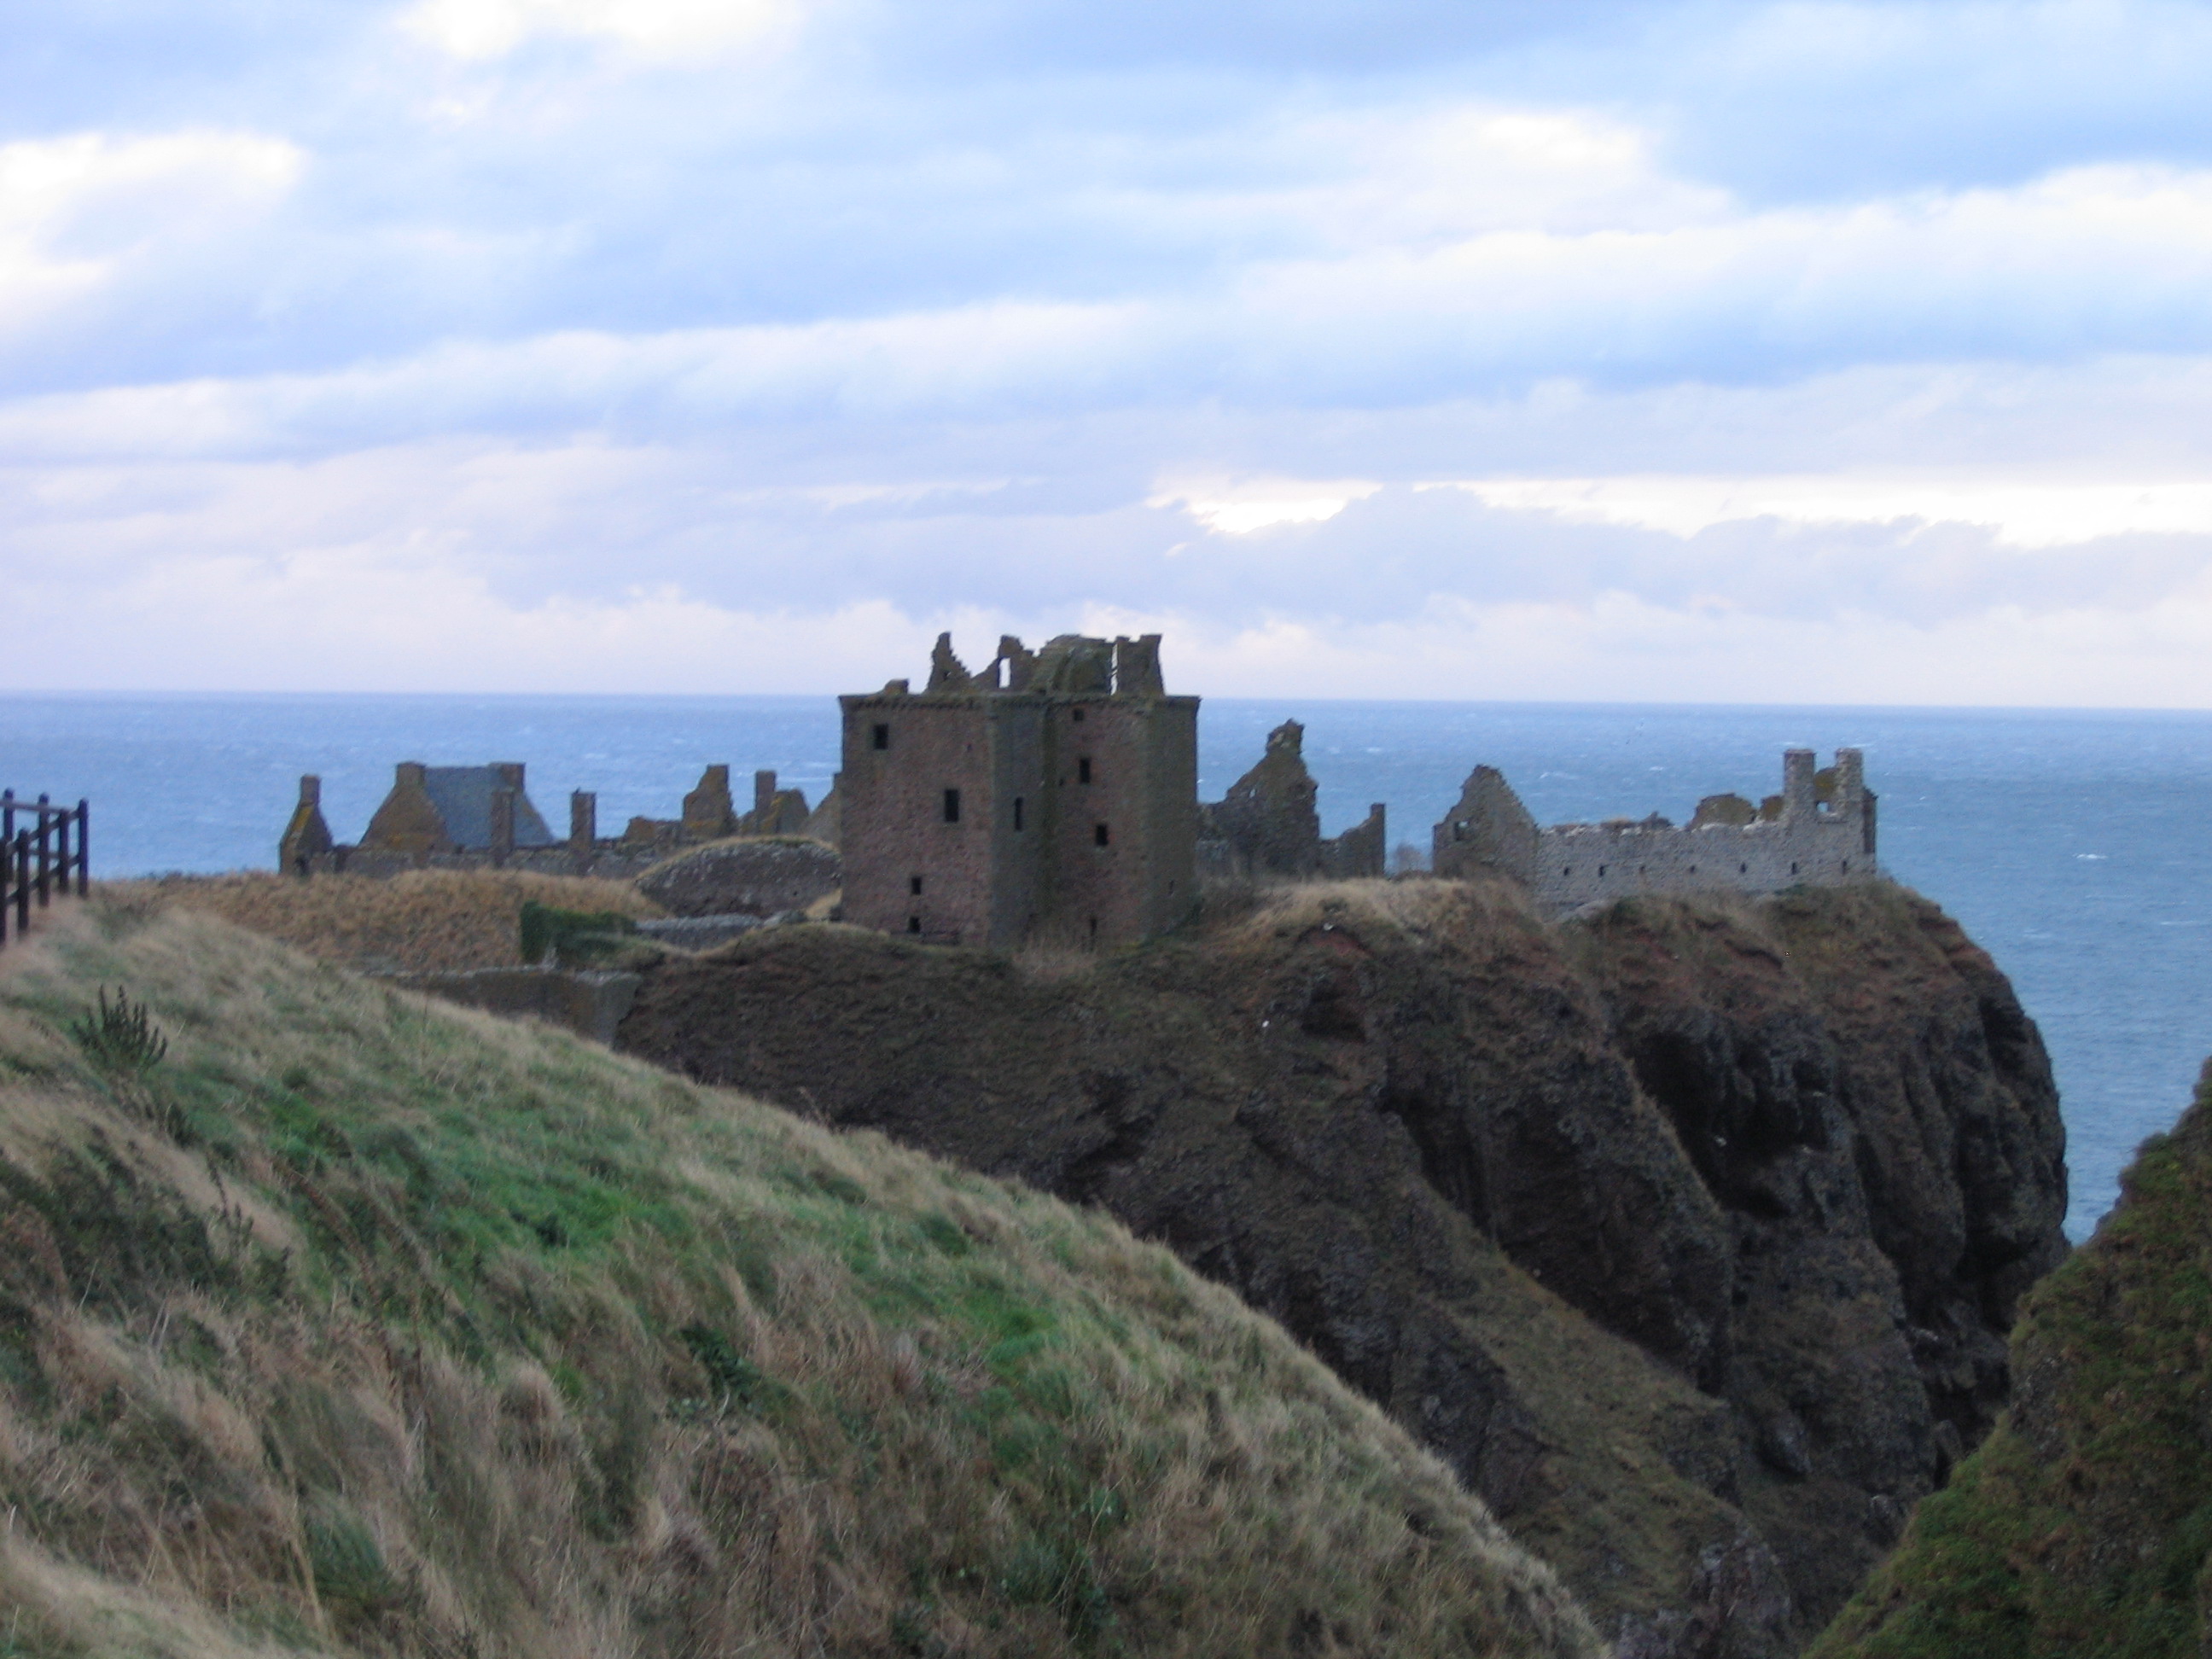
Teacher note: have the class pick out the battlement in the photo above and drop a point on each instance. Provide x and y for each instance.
(1819, 831)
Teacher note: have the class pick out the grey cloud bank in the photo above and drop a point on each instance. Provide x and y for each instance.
(657, 346)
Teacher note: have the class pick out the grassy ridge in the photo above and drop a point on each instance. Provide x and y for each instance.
(2083, 1526)
(359, 1324)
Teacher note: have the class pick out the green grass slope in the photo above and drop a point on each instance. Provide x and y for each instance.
(2083, 1526)
(356, 1324)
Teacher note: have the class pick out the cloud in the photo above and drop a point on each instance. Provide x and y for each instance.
(2092, 264)
(486, 29)
(75, 212)
(1237, 506)
(542, 340)
(2032, 510)
(589, 566)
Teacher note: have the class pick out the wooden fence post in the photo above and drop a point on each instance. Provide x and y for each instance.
(37, 857)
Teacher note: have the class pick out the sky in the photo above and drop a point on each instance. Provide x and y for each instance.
(1722, 351)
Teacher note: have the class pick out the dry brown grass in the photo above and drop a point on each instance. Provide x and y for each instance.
(1417, 908)
(421, 921)
(434, 1334)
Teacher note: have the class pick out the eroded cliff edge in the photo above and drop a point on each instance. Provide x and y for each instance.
(1690, 1234)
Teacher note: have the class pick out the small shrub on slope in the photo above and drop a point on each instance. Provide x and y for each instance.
(450, 1336)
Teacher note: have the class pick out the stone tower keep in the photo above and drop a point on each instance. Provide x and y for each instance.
(1053, 794)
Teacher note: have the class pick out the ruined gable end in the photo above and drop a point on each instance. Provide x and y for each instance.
(407, 823)
(305, 844)
(1487, 830)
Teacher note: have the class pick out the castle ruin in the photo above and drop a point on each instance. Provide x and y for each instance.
(1818, 832)
(1266, 824)
(1055, 795)
(1051, 794)
(468, 817)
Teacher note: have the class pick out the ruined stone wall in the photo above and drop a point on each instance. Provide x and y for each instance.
(1266, 824)
(1361, 851)
(1799, 840)
(1268, 817)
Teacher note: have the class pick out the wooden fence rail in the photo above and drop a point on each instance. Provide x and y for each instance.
(38, 861)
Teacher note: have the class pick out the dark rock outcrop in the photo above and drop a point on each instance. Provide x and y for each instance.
(1688, 1236)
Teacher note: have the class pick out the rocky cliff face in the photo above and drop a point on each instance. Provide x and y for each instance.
(2083, 1525)
(1689, 1235)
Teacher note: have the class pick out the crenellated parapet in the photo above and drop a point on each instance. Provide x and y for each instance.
(1819, 832)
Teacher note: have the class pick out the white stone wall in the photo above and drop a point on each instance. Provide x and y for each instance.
(1809, 842)
(1581, 864)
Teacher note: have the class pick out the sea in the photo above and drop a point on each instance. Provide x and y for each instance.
(2068, 843)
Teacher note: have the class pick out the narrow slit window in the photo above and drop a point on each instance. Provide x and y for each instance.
(953, 806)
(1018, 812)
(1099, 835)
(1083, 769)
(914, 885)
(914, 924)
(1076, 715)
(882, 737)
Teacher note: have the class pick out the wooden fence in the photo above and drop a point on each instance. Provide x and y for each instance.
(38, 861)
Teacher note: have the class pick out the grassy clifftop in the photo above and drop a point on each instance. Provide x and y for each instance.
(357, 1324)
(2083, 1527)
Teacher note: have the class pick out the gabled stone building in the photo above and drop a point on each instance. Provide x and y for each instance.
(434, 814)
(1054, 794)
(456, 808)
